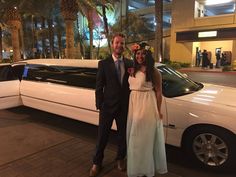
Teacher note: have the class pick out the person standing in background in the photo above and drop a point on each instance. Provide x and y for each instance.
(218, 59)
(199, 58)
(205, 60)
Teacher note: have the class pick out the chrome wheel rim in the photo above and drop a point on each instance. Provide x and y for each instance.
(210, 149)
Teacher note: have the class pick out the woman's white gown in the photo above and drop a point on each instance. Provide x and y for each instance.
(145, 137)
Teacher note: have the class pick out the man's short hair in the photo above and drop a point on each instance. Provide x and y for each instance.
(116, 35)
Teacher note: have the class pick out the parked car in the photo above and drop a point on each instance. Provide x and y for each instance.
(198, 117)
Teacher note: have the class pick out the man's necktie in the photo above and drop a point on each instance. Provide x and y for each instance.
(118, 69)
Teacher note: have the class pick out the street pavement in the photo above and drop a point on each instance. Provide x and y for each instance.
(200, 69)
(35, 144)
(213, 76)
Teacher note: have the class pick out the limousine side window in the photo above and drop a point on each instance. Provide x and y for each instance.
(18, 70)
(6, 73)
(71, 76)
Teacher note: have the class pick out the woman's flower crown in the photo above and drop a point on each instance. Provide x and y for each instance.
(144, 46)
(135, 47)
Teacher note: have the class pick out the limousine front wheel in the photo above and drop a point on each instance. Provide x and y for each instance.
(212, 147)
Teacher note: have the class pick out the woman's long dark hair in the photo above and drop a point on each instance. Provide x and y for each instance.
(149, 63)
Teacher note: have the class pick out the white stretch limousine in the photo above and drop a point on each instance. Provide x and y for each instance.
(199, 118)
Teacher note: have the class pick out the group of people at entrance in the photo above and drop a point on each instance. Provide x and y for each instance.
(205, 58)
(130, 92)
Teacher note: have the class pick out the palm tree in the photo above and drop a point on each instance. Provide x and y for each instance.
(0, 36)
(105, 6)
(159, 31)
(48, 12)
(89, 16)
(13, 19)
(136, 30)
(0, 43)
(90, 12)
(1, 28)
(51, 37)
(69, 9)
(34, 8)
(4, 12)
(43, 10)
(59, 30)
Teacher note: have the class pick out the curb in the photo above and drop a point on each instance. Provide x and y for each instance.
(207, 71)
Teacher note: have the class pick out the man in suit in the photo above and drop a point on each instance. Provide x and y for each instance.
(112, 99)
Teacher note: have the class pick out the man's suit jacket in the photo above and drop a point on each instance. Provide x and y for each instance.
(111, 96)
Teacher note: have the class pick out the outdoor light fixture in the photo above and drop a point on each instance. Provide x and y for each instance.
(207, 34)
(214, 2)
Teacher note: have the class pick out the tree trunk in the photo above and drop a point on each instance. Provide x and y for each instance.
(44, 52)
(106, 26)
(51, 37)
(1, 44)
(22, 41)
(69, 39)
(91, 40)
(159, 30)
(59, 43)
(34, 37)
(15, 41)
(14, 21)
(69, 9)
(90, 26)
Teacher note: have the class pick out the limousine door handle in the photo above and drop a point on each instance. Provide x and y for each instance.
(172, 126)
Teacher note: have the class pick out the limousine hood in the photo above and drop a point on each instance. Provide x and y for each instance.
(213, 94)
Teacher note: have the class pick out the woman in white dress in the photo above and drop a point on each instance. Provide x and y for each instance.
(146, 154)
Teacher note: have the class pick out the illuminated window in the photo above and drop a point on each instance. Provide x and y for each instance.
(204, 8)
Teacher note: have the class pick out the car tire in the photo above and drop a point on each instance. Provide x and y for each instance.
(211, 147)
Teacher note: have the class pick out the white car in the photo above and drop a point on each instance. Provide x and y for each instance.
(200, 118)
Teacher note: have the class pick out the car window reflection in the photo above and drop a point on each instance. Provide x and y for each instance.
(6, 73)
(71, 76)
(176, 84)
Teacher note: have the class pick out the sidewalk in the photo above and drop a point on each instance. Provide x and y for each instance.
(112, 171)
(200, 69)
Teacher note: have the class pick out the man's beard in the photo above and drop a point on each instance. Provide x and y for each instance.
(119, 51)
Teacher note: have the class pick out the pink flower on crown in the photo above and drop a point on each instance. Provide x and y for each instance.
(135, 47)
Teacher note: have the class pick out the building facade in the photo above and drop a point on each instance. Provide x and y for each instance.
(195, 26)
